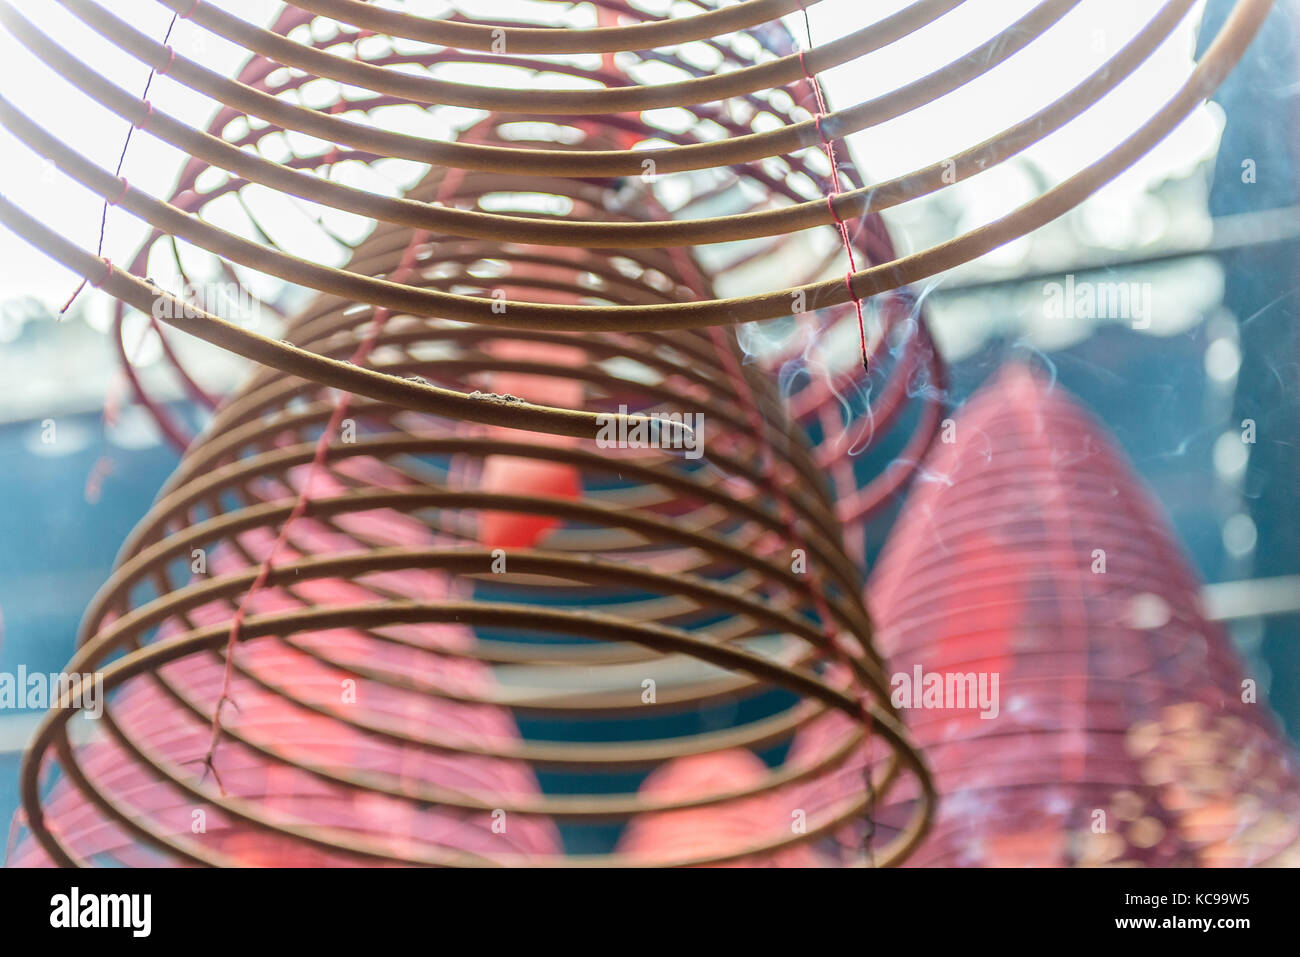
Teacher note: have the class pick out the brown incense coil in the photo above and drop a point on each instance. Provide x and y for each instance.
(658, 593)
(717, 143)
(746, 188)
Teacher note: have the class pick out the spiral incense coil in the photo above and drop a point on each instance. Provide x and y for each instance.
(669, 559)
(1120, 730)
(1126, 731)
(721, 144)
(646, 566)
(743, 188)
(427, 623)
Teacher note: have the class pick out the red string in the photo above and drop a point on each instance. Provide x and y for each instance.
(108, 271)
(171, 61)
(834, 191)
(103, 216)
(448, 186)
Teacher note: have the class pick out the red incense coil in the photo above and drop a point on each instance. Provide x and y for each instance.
(1119, 734)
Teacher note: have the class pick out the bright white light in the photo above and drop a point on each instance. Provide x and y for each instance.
(1148, 611)
(1222, 359)
(1239, 535)
(1230, 455)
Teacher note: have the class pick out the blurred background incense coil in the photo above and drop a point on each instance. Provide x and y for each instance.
(1103, 719)
(445, 549)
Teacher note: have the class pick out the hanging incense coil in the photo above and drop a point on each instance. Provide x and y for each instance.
(727, 147)
(387, 579)
(647, 563)
(1084, 711)
(277, 415)
(1127, 732)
